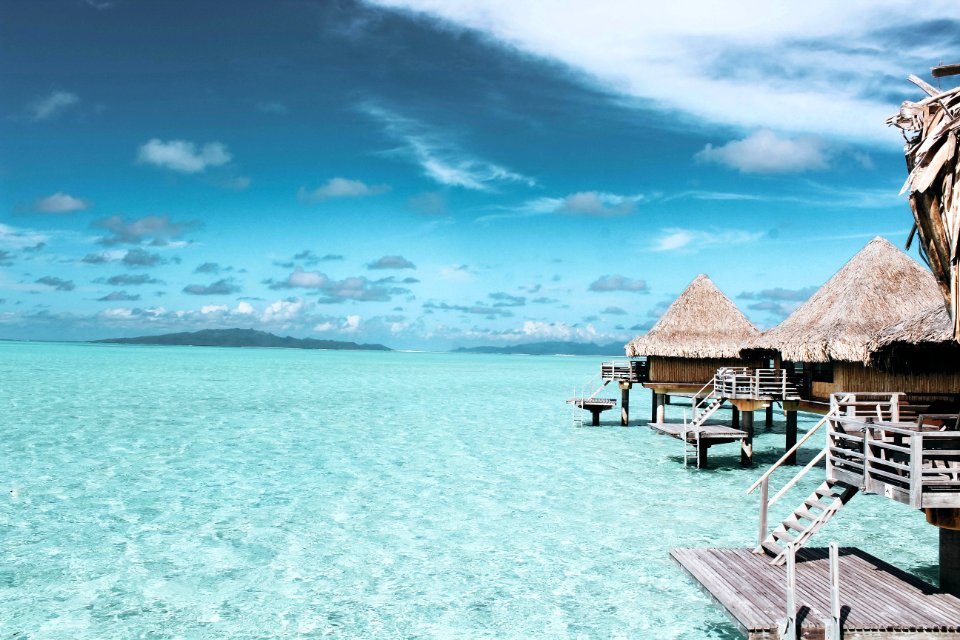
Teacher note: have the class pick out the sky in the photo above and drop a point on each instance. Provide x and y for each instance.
(431, 174)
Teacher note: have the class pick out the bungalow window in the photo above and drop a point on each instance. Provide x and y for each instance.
(821, 372)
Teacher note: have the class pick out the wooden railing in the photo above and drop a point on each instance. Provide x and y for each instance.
(625, 370)
(764, 481)
(916, 463)
(744, 382)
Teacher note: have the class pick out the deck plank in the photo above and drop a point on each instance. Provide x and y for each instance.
(875, 597)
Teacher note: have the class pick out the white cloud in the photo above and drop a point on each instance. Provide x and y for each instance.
(60, 203)
(53, 105)
(351, 324)
(812, 67)
(441, 159)
(282, 311)
(584, 203)
(14, 238)
(213, 308)
(341, 188)
(692, 240)
(183, 156)
(243, 309)
(766, 152)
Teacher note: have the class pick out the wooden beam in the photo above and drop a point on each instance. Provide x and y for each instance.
(945, 70)
(927, 88)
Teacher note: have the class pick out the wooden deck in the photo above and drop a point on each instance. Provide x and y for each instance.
(708, 431)
(877, 600)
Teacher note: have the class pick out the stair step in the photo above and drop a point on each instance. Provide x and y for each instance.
(792, 523)
(814, 502)
(771, 549)
(805, 513)
(825, 490)
(783, 536)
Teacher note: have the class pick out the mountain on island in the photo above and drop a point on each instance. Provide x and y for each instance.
(552, 348)
(243, 338)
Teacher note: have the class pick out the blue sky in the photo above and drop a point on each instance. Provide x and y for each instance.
(432, 174)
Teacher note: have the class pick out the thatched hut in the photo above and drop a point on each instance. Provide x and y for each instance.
(700, 332)
(829, 337)
(921, 345)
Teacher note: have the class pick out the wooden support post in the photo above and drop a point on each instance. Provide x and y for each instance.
(791, 436)
(735, 417)
(746, 447)
(950, 561)
(653, 405)
(661, 408)
(625, 403)
(596, 416)
(769, 417)
(702, 453)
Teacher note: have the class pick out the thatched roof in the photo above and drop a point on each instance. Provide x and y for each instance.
(878, 287)
(922, 342)
(932, 132)
(701, 323)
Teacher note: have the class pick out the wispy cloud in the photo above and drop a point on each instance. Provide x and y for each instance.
(355, 288)
(157, 230)
(60, 203)
(18, 238)
(440, 159)
(816, 67)
(340, 188)
(584, 203)
(766, 152)
(56, 283)
(52, 105)
(692, 240)
(223, 287)
(391, 262)
(618, 283)
(183, 156)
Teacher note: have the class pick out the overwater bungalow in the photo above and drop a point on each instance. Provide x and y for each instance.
(700, 332)
(829, 340)
(868, 359)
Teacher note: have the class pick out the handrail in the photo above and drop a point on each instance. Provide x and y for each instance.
(699, 402)
(793, 449)
(810, 465)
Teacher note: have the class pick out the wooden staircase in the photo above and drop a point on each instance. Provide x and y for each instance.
(807, 519)
(706, 408)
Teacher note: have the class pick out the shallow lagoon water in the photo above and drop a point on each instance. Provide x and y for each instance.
(176, 492)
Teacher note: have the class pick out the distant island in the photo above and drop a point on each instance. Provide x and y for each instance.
(552, 348)
(243, 338)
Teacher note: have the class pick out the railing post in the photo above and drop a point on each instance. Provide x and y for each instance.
(895, 408)
(867, 481)
(828, 465)
(788, 627)
(833, 627)
(764, 505)
(916, 470)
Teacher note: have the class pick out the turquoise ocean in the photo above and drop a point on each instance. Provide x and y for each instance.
(177, 492)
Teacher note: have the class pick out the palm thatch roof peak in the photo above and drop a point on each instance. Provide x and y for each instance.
(878, 287)
(701, 323)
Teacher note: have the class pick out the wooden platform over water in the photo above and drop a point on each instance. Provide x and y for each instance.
(877, 600)
(715, 432)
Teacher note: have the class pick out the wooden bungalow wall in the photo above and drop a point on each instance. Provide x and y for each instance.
(691, 369)
(849, 376)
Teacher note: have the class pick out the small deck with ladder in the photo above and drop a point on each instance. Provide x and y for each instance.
(868, 449)
(876, 600)
(744, 388)
(625, 373)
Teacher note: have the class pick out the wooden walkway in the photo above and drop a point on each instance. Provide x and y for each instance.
(877, 600)
(715, 432)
